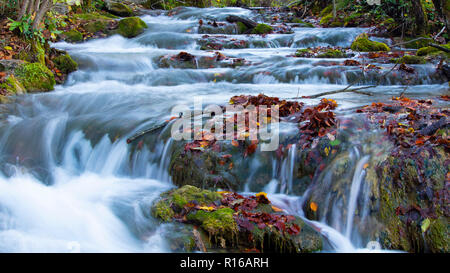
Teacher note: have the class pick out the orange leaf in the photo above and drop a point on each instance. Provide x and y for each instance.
(313, 206)
(276, 209)
(234, 143)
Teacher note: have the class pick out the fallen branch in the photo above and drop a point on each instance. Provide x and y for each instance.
(440, 48)
(413, 40)
(142, 133)
(345, 90)
(248, 23)
(431, 129)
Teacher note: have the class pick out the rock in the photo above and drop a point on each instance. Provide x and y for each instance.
(236, 222)
(250, 24)
(131, 27)
(423, 51)
(409, 59)
(35, 77)
(262, 29)
(96, 26)
(73, 36)
(119, 9)
(362, 43)
(65, 63)
(12, 85)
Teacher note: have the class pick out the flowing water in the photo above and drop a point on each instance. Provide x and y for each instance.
(68, 180)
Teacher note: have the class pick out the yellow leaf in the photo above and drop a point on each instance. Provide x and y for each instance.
(366, 165)
(206, 208)
(276, 209)
(8, 48)
(327, 151)
(313, 206)
(425, 224)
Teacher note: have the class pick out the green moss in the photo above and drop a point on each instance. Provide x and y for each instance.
(418, 43)
(92, 16)
(326, 19)
(362, 43)
(96, 26)
(131, 27)
(327, 10)
(302, 52)
(65, 63)
(216, 222)
(35, 77)
(262, 29)
(423, 51)
(241, 28)
(163, 211)
(300, 21)
(73, 36)
(409, 59)
(332, 53)
(120, 9)
(12, 85)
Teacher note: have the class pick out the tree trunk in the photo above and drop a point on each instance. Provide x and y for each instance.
(419, 17)
(44, 7)
(440, 6)
(23, 9)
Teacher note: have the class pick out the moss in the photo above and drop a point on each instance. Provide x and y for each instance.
(409, 59)
(327, 10)
(35, 77)
(302, 52)
(241, 28)
(262, 29)
(12, 85)
(362, 43)
(92, 16)
(349, 19)
(73, 36)
(216, 222)
(163, 211)
(438, 232)
(120, 9)
(65, 63)
(332, 53)
(96, 26)
(300, 21)
(418, 43)
(131, 27)
(423, 51)
(326, 19)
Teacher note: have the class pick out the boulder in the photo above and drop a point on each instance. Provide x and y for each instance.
(131, 27)
(35, 77)
(362, 43)
(119, 9)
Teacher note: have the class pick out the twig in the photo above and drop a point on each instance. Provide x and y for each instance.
(345, 90)
(440, 32)
(413, 40)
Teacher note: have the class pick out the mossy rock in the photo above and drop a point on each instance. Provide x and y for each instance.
(403, 182)
(73, 36)
(362, 43)
(93, 16)
(423, 51)
(221, 223)
(409, 59)
(262, 29)
(12, 85)
(300, 21)
(65, 63)
(241, 28)
(417, 43)
(131, 27)
(332, 53)
(173, 201)
(35, 77)
(120, 9)
(96, 26)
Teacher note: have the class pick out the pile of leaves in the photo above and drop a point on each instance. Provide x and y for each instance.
(10, 44)
(321, 52)
(410, 123)
(249, 216)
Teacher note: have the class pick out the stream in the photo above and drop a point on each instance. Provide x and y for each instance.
(68, 182)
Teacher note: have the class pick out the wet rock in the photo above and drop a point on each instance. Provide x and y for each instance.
(321, 52)
(72, 36)
(65, 63)
(221, 29)
(35, 77)
(236, 222)
(249, 24)
(119, 9)
(131, 27)
(262, 29)
(409, 59)
(362, 43)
